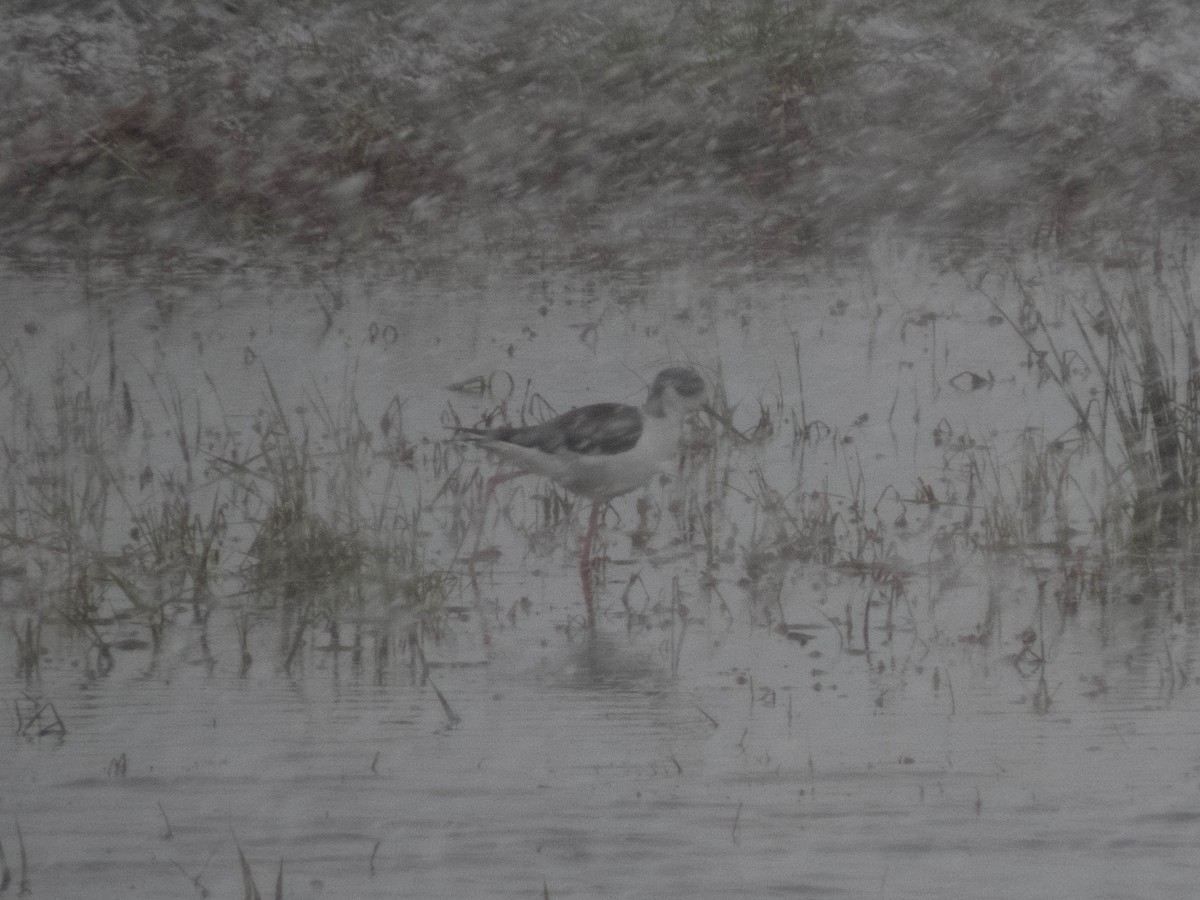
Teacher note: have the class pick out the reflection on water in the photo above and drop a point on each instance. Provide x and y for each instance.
(750, 719)
(602, 663)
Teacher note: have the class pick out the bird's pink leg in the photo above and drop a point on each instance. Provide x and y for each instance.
(585, 563)
(492, 484)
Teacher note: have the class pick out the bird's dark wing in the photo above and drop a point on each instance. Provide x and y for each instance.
(602, 428)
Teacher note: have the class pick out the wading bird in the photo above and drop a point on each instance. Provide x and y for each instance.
(601, 451)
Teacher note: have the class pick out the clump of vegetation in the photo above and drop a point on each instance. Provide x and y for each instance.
(117, 553)
(59, 492)
(1131, 375)
(294, 547)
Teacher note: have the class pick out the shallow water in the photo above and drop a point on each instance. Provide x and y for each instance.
(706, 752)
(588, 767)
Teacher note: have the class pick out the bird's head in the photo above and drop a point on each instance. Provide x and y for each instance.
(676, 392)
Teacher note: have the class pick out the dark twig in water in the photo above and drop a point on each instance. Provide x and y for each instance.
(1170, 667)
(24, 885)
(194, 879)
(5, 871)
(452, 717)
(168, 834)
(249, 888)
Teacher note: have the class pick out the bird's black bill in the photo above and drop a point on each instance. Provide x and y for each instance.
(724, 420)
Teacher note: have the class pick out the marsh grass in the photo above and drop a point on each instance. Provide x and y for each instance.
(1020, 503)
(321, 518)
(1142, 347)
(296, 553)
(1130, 372)
(179, 545)
(60, 488)
(341, 530)
(776, 126)
(883, 558)
(29, 646)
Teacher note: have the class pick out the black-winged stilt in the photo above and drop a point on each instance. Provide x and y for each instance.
(601, 451)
